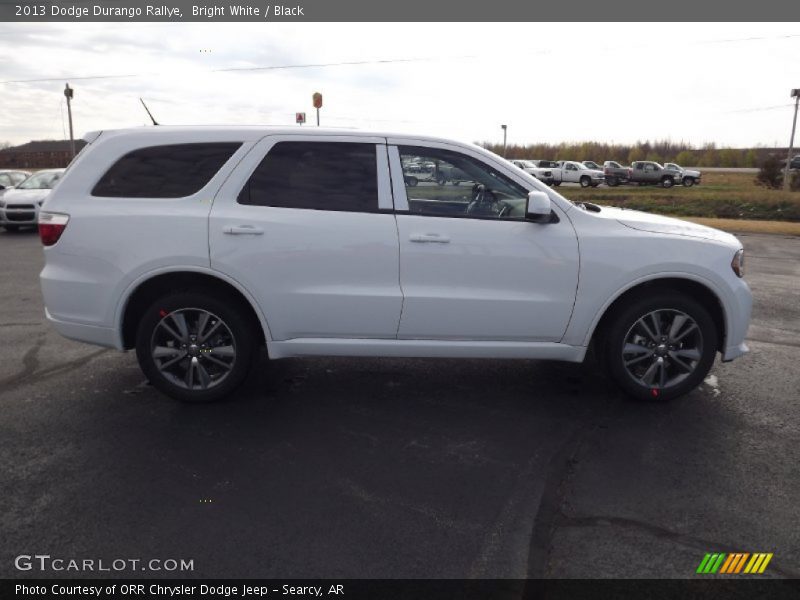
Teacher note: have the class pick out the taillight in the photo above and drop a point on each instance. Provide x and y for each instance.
(51, 226)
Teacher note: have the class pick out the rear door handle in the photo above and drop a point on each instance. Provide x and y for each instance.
(429, 238)
(242, 230)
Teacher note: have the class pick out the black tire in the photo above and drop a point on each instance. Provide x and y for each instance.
(556, 183)
(411, 181)
(667, 182)
(688, 181)
(441, 180)
(612, 182)
(235, 329)
(585, 181)
(623, 327)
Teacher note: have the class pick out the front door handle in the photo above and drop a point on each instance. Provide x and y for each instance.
(429, 238)
(242, 230)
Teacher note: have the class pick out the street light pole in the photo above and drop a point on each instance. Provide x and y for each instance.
(505, 131)
(68, 91)
(796, 96)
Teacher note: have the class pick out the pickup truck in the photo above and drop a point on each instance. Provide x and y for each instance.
(545, 175)
(795, 164)
(687, 177)
(570, 171)
(615, 173)
(647, 172)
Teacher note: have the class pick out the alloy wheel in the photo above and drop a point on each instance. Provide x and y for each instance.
(662, 348)
(193, 348)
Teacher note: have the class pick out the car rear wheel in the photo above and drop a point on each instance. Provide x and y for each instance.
(612, 182)
(688, 181)
(667, 182)
(195, 346)
(660, 348)
(441, 180)
(585, 181)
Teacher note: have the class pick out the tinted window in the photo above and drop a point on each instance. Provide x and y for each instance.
(171, 171)
(460, 186)
(315, 175)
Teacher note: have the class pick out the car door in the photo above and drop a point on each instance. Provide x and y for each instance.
(571, 173)
(305, 223)
(471, 266)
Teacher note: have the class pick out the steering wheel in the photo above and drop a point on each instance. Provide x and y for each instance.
(484, 201)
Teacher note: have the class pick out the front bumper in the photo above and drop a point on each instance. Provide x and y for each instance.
(23, 215)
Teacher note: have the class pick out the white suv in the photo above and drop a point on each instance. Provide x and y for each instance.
(197, 245)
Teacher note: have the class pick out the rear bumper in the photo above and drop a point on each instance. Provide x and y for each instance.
(90, 334)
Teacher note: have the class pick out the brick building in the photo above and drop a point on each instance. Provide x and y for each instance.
(45, 154)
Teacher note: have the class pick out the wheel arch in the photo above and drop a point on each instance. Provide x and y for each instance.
(145, 291)
(693, 288)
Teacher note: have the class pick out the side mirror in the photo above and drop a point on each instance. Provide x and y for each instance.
(538, 208)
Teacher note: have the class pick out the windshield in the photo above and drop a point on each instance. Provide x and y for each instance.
(672, 166)
(44, 180)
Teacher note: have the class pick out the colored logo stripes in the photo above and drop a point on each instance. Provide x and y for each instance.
(734, 563)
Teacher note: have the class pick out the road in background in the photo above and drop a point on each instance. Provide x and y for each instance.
(399, 468)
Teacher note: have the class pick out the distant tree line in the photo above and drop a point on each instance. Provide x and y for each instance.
(709, 155)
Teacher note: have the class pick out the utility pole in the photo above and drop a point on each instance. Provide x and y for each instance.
(796, 96)
(68, 94)
(505, 131)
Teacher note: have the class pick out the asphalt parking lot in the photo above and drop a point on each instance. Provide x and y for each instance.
(399, 468)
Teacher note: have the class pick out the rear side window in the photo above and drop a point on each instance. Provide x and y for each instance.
(316, 175)
(172, 171)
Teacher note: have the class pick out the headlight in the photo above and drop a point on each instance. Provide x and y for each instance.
(737, 264)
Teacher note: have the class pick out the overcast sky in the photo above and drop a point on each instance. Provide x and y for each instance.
(722, 83)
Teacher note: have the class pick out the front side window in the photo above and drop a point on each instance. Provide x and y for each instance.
(461, 186)
(338, 176)
(5, 180)
(172, 171)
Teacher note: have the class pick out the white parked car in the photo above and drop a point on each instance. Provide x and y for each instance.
(687, 177)
(544, 175)
(195, 246)
(19, 206)
(571, 171)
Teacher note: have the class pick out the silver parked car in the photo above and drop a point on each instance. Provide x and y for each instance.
(19, 207)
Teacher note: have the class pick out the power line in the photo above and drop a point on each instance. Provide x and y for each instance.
(235, 69)
(761, 108)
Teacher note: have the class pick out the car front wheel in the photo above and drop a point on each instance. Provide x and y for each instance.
(688, 181)
(660, 348)
(585, 181)
(195, 346)
(667, 182)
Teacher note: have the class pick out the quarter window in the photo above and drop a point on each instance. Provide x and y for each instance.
(459, 186)
(338, 176)
(171, 171)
